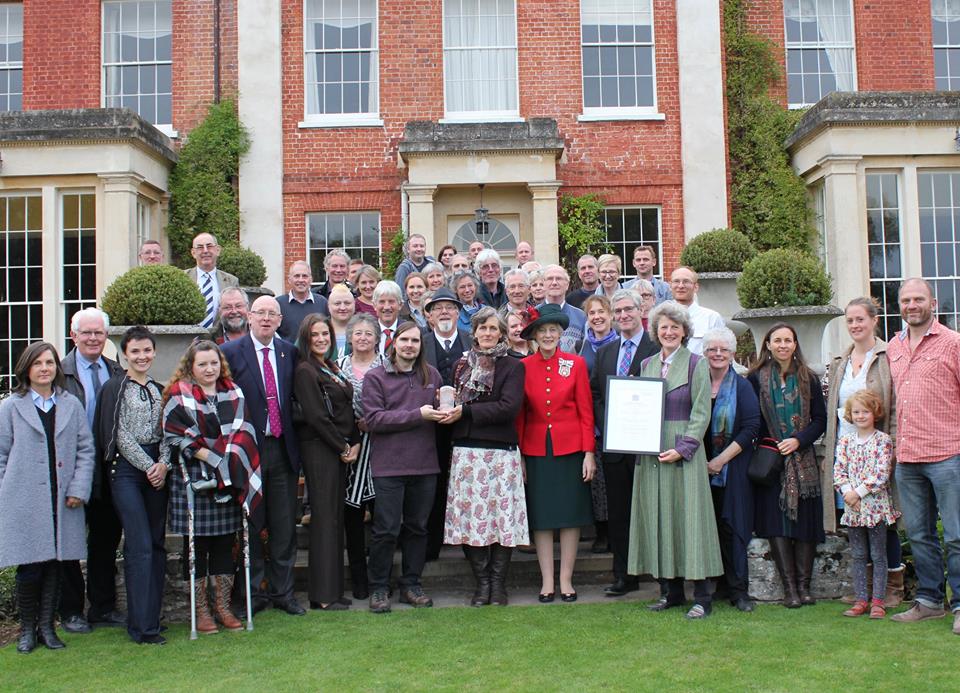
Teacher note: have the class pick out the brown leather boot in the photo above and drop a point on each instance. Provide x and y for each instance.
(222, 588)
(804, 553)
(782, 554)
(894, 596)
(205, 623)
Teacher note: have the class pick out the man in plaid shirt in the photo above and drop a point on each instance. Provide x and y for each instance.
(925, 365)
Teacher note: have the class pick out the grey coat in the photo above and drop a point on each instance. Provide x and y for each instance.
(26, 518)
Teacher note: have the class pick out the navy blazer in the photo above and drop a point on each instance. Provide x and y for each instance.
(245, 369)
(605, 364)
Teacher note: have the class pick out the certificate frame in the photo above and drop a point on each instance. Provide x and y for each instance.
(620, 427)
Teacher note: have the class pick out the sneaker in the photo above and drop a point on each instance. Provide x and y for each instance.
(858, 609)
(380, 602)
(918, 612)
(76, 624)
(697, 612)
(415, 597)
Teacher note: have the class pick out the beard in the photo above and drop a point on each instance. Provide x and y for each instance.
(445, 326)
(235, 325)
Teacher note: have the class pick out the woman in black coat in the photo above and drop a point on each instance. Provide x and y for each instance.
(329, 441)
(790, 513)
(728, 443)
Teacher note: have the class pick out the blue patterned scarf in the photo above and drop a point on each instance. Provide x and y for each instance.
(721, 424)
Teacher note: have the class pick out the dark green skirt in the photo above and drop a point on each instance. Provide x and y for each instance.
(557, 496)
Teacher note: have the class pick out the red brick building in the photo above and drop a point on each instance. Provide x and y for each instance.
(368, 116)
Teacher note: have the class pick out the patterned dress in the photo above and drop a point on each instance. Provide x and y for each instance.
(865, 466)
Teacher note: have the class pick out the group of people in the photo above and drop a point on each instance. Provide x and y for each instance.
(462, 405)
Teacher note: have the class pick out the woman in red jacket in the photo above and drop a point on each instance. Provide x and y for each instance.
(555, 428)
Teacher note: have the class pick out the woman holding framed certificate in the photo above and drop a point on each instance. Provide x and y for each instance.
(673, 532)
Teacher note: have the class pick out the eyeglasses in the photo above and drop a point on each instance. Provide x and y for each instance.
(682, 282)
(205, 246)
(717, 350)
(265, 313)
(92, 334)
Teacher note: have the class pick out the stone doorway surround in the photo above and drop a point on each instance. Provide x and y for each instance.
(516, 162)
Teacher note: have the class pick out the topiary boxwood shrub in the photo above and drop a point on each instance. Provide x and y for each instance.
(783, 277)
(244, 264)
(154, 295)
(719, 250)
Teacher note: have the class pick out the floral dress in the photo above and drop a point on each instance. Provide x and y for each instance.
(864, 466)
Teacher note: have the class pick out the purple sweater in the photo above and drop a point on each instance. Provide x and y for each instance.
(401, 442)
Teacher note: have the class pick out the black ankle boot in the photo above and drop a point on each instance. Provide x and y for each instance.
(28, 603)
(49, 599)
(499, 567)
(479, 557)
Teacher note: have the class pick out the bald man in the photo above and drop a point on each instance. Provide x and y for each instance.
(300, 302)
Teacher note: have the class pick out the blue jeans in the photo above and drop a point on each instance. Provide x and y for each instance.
(142, 510)
(925, 489)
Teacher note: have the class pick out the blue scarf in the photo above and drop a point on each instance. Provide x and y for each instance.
(721, 423)
(595, 343)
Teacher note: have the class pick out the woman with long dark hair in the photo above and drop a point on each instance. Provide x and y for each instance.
(214, 447)
(329, 441)
(130, 441)
(46, 473)
(790, 513)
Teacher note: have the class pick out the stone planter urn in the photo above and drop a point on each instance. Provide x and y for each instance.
(809, 322)
(718, 291)
(172, 342)
(255, 292)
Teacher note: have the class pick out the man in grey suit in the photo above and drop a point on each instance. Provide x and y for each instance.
(85, 370)
(211, 281)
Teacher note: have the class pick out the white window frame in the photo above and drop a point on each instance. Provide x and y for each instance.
(317, 267)
(339, 120)
(628, 272)
(820, 45)
(507, 116)
(949, 77)
(600, 113)
(67, 307)
(12, 65)
(165, 128)
(886, 310)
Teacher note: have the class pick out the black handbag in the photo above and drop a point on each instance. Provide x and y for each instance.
(766, 465)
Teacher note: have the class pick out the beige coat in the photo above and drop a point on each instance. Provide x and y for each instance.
(880, 382)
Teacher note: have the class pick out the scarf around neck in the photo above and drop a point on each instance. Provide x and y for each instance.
(595, 343)
(786, 411)
(475, 375)
(721, 422)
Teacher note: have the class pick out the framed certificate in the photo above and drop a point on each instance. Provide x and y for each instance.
(634, 419)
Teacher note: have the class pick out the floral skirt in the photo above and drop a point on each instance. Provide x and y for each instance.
(486, 503)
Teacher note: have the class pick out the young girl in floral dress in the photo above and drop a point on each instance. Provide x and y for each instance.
(862, 473)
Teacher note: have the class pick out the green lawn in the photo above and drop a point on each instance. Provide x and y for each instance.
(561, 647)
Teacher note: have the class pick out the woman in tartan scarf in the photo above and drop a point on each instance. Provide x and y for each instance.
(204, 418)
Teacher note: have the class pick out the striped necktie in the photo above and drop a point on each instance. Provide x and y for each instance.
(626, 358)
(207, 291)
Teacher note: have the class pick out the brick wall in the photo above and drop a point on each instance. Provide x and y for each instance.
(346, 169)
(193, 58)
(61, 54)
(894, 45)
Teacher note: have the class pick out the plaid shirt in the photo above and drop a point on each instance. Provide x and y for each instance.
(926, 382)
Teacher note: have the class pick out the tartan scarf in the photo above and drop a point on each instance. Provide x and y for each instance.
(786, 411)
(192, 421)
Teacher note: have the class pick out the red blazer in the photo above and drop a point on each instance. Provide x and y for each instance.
(556, 397)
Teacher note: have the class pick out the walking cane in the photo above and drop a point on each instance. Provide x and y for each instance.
(192, 551)
(246, 565)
